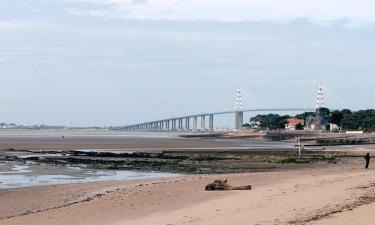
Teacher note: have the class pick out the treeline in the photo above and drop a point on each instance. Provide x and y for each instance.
(270, 121)
(345, 119)
(348, 120)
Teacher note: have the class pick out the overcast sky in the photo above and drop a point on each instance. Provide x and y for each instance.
(115, 62)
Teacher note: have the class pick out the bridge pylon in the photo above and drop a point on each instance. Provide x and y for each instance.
(238, 111)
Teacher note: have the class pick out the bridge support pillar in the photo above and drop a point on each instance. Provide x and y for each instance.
(203, 122)
(238, 120)
(187, 123)
(211, 122)
(180, 124)
(195, 123)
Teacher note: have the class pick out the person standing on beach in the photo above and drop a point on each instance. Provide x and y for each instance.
(367, 158)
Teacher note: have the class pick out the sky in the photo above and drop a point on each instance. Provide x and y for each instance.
(118, 62)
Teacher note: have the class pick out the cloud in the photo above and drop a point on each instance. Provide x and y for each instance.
(23, 25)
(117, 46)
(359, 11)
(139, 1)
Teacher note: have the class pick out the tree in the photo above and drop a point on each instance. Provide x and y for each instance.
(324, 112)
(246, 126)
(304, 115)
(336, 117)
(361, 120)
(346, 112)
(299, 126)
(346, 119)
(270, 121)
(347, 122)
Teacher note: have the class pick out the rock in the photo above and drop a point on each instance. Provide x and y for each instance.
(222, 185)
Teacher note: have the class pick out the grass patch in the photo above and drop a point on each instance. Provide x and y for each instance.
(190, 169)
(100, 166)
(308, 159)
(295, 160)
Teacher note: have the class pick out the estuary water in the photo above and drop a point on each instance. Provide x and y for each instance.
(16, 174)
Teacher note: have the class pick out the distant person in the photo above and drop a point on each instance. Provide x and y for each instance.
(367, 158)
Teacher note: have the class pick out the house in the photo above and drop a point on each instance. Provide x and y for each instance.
(316, 123)
(293, 124)
(334, 127)
(255, 125)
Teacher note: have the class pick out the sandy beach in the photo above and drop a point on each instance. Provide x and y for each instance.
(318, 193)
(334, 195)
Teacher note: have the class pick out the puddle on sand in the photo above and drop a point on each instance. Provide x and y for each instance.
(14, 175)
(15, 170)
(39, 155)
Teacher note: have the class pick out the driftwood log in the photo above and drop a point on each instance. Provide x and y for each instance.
(222, 185)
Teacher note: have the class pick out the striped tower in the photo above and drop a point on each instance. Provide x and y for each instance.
(320, 98)
(321, 117)
(239, 110)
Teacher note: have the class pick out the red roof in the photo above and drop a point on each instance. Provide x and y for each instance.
(295, 121)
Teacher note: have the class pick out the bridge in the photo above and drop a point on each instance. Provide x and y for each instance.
(198, 122)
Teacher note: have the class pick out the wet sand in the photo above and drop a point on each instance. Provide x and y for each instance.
(14, 174)
(150, 142)
(34, 140)
(313, 196)
(103, 142)
(111, 142)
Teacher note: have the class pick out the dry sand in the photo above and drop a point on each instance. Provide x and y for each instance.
(335, 195)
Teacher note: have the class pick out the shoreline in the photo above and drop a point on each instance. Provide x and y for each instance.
(183, 199)
(182, 162)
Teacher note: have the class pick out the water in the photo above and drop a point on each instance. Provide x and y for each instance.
(83, 132)
(16, 169)
(15, 175)
(37, 155)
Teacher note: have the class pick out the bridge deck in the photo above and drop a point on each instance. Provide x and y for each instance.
(184, 122)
